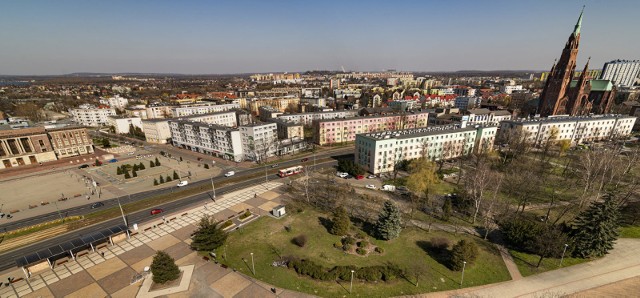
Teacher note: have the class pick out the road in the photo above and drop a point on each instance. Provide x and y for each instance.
(86, 209)
(7, 259)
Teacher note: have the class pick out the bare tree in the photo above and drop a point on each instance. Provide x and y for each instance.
(478, 181)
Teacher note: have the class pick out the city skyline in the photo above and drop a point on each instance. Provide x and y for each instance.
(253, 37)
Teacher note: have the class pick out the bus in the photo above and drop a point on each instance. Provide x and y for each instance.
(290, 171)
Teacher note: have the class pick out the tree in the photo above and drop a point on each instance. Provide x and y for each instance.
(340, 222)
(422, 177)
(134, 173)
(168, 179)
(118, 171)
(478, 181)
(175, 176)
(595, 230)
(389, 223)
(161, 179)
(141, 166)
(126, 174)
(106, 143)
(157, 162)
(463, 251)
(151, 164)
(155, 181)
(135, 167)
(209, 235)
(548, 243)
(446, 209)
(164, 268)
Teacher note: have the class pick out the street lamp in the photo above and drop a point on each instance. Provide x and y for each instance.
(60, 214)
(122, 211)
(464, 264)
(253, 265)
(351, 286)
(213, 187)
(266, 180)
(564, 251)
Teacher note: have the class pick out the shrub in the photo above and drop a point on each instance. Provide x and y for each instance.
(346, 247)
(348, 240)
(206, 166)
(118, 171)
(151, 164)
(161, 179)
(288, 228)
(164, 268)
(155, 182)
(463, 251)
(360, 235)
(245, 214)
(342, 272)
(440, 243)
(300, 240)
(141, 166)
(127, 175)
(363, 244)
(379, 249)
(175, 176)
(361, 251)
(157, 162)
(135, 167)
(168, 179)
(134, 173)
(337, 245)
(227, 223)
(373, 273)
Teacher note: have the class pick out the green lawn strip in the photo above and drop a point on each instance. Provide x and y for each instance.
(527, 262)
(630, 232)
(267, 238)
(38, 227)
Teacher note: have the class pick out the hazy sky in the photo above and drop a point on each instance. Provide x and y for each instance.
(58, 37)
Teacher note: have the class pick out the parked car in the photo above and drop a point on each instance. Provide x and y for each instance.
(388, 187)
(97, 205)
(371, 176)
(113, 160)
(304, 159)
(275, 165)
(348, 176)
(342, 175)
(156, 211)
(229, 174)
(183, 183)
(370, 186)
(360, 177)
(84, 166)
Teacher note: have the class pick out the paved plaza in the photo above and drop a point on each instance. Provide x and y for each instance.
(95, 274)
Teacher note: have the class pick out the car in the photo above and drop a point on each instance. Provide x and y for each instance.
(360, 177)
(342, 175)
(84, 166)
(348, 176)
(2, 215)
(113, 160)
(183, 183)
(156, 211)
(370, 186)
(229, 174)
(131, 153)
(371, 176)
(97, 205)
(304, 160)
(275, 165)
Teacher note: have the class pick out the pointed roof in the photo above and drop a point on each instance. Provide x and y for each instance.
(576, 30)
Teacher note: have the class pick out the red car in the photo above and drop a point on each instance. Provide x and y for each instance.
(304, 160)
(360, 177)
(156, 211)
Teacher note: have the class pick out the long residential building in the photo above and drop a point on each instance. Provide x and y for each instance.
(308, 118)
(332, 131)
(577, 130)
(216, 140)
(486, 116)
(37, 145)
(379, 152)
(157, 130)
(89, 115)
(202, 108)
(622, 72)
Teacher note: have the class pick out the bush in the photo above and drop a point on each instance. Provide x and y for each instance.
(348, 240)
(134, 173)
(519, 232)
(315, 271)
(164, 268)
(373, 273)
(360, 235)
(337, 245)
(135, 167)
(440, 243)
(379, 250)
(118, 171)
(157, 163)
(151, 164)
(155, 182)
(127, 175)
(206, 166)
(161, 179)
(227, 223)
(463, 251)
(361, 251)
(300, 240)
(175, 176)
(168, 179)
(245, 214)
(346, 247)
(363, 244)
(141, 166)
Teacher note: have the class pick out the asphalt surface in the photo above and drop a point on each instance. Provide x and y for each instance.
(7, 259)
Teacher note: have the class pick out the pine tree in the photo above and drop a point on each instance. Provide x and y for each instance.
(151, 164)
(155, 182)
(157, 162)
(180, 158)
(118, 171)
(206, 165)
(596, 229)
(161, 179)
(175, 176)
(208, 236)
(446, 209)
(389, 223)
(141, 166)
(134, 173)
(168, 178)
(135, 167)
(164, 268)
(127, 175)
(463, 251)
(340, 222)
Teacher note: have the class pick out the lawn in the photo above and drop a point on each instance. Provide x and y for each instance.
(630, 232)
(527, 262)
(268, 239)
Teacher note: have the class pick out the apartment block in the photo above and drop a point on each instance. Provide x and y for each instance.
(259, 141)
(215, 140)
(380, 152)
(158, 131)
(486, 116)
(289, 130)
(122, 124)
(201, 108)
(89, 115)
(308, 118)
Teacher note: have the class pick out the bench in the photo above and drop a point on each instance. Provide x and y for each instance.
(184, 214)
(16, 280)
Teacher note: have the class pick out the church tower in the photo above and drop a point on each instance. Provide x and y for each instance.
(555, 95)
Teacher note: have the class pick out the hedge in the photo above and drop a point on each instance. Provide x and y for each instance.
(371, 273)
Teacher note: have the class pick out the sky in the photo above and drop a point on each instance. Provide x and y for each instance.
(215, 37)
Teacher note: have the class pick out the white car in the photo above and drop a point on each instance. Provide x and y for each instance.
(370, 186)
(342, 175)
(229, 174)
(183, 183)
(371, 176)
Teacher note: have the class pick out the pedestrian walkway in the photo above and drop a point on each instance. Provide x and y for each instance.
(109, 270)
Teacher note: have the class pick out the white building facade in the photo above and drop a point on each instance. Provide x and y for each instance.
(259, 141)
(88, 115)
(486, 116)
(122, 125)
(308, 118)
(215, 140)
(622, 72)
(203, 108)
(116, 102)
(380, 152)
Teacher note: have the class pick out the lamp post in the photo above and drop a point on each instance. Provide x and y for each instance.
(464, 264)
(563, 252)
(351, 286)
(253, 265)
(266, 180)
(122, 211)
(58, 209)
(213, 188)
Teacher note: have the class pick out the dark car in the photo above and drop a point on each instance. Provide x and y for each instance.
(304, 160)
(348, 177)
(156, 211)
(84, 166)
(97, 205)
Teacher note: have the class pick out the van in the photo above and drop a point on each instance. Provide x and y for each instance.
(388, 187)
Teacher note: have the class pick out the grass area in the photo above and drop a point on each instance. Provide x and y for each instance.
(400, 181)
(527, 262)
(268, 240)
(38, 228)
(630, 232)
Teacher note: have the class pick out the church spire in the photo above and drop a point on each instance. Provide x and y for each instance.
(576, 30)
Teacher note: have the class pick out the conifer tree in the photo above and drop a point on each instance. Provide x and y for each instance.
(161, 179)
(596, 229)
(118, 171)
(164, 268)
(141, 166)
(157, 162)
(208, 236)
(463, 251)
(151, 164)
(340, 222)
(175, 176)
(389, 223)
(155, 182)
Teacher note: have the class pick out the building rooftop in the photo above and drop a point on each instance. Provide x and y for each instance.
(418, 132)
(569, 119)
(204, 124)
(373, 117)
